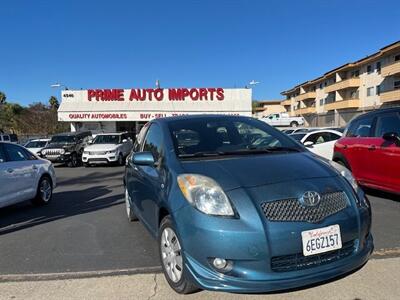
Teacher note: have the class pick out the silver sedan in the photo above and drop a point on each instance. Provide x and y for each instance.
(24, 176)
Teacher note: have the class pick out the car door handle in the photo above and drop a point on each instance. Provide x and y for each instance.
(345, 147)
(10, 170)
(371, 148)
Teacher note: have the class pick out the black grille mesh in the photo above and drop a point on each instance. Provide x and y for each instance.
(291, 210)
(297, 261)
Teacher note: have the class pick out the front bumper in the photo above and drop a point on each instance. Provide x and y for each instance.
(100, 159)
(62, 158)
(250, 242)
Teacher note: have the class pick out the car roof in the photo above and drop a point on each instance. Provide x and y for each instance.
(378, 112)
(39, 140)
(72, 133)
(111, 133)
(199, 116)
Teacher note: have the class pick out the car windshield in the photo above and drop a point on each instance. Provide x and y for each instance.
(62, 139)
(227, 136)
(107, 139)
(36, 144)
(297, 136)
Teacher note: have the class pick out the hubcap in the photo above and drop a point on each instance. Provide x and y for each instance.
(45, 190)
(171, 254)
(127, 203)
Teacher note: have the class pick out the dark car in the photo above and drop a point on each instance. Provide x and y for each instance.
(66, 148)
(238, 206)
(370, 148)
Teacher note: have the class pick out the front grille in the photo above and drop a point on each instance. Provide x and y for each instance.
(291, 210)
(97, 160)
(97, 153)
(52, 152)
(298, 261)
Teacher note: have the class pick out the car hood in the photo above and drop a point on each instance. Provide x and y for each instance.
(257, 170)
(101, 147)
(58, 146)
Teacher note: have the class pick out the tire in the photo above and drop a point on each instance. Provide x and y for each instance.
(130, 214)
(74, 161)
(121, 161)
(171, 255)
(294, 124)
(44, 192)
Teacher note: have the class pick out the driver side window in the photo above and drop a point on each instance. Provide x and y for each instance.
(153, 142)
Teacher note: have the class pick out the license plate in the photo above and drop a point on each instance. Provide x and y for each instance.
(321, 240)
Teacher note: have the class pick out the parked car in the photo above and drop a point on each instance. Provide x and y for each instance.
(320, 142)
(370, 148)
(66, 148)
(298, 130)
(35, 146)
(107, 148)
(236, 213)
(24, 176)
(283, 119)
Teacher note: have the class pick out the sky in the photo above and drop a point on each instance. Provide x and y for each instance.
(209, 43)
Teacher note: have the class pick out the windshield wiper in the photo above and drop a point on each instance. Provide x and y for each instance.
(201, 154)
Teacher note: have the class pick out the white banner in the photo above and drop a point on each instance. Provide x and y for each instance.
(147, 104)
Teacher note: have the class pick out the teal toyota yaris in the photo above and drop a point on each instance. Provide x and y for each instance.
(238, 206)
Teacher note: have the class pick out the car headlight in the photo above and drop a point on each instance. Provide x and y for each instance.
(205, 194)
(360, 196)
(62, 151)
(86, 152)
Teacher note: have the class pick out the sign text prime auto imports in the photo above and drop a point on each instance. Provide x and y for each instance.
(147, 103)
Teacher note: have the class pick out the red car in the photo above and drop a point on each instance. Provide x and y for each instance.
(370, 148)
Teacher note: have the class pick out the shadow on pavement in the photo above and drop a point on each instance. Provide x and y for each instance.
(63, 205)
(382, 194)
(92, 177)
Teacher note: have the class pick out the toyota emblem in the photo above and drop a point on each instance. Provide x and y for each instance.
(310, 198)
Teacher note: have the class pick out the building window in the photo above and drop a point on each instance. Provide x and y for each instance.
(378, 67)
(396, 85)
(370, 91)
(369, 69)
(320, 86)
(378, 90)
(355, 73)
(325, 83)
(321, 102)
(397, 57)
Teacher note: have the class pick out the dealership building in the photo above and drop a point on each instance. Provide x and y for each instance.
(110, 110)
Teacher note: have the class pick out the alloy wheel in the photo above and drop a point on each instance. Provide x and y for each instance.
(45, 190)
(171, 254)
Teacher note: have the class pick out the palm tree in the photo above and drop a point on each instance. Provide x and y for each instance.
(53, 102)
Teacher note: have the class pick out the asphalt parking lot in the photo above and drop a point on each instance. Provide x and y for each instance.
(85, 229)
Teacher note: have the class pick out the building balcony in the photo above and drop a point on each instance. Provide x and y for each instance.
(286, 102)
(343, 84)
(343, 104)
(392, 69)
(389, 96)
(305, 111)
(305, 96)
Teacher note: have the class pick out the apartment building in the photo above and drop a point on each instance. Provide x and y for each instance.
(267, 107)
(336, 97)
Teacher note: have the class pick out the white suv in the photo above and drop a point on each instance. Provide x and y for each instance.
(107, 148)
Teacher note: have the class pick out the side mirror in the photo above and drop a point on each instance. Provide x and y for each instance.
(124, 140)
(308, 144)
(143, 159)
(392, 137)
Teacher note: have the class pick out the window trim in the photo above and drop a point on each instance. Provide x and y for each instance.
(145, 138)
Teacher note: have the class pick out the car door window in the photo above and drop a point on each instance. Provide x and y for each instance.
(15, 153)
(314, 138)
(387, 123)
(360, 128)
(153, 142)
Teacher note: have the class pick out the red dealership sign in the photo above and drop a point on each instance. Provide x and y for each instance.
(180, 94)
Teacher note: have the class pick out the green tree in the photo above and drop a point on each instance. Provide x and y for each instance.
(53, 102)
(3, 97)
